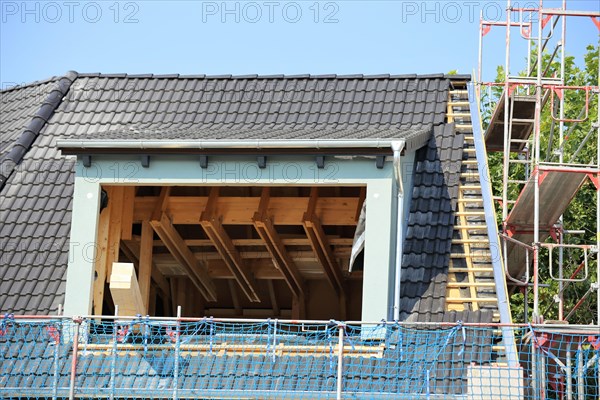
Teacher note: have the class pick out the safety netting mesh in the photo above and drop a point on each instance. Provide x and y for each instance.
(154, 358)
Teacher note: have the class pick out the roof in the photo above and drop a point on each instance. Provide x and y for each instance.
(430, 226)
(35, 197)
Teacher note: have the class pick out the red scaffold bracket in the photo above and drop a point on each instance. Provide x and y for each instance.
(485, 29)
(545, 20)
(596, 22)
(595, 180)
(558, 90)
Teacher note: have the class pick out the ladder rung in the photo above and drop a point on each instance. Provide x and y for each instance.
(459, 115)
(473, 200)
(519, 140)
(469, 138)
(458, 103)
(519, 161)
(457, 92)
(469, 174)
(467, 241)
(471, 300)
(472, 227)
(474, 270)
(470, 187)
(470, 284)
(469, 150)
(516, 181)
(464, 126)
(526, 120)
(469, 162)
(469, 213)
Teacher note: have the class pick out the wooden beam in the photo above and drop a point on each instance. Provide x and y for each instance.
(222, 242)
(318, 242)
(273, 297)
(114, 230)
(145, 261)
(334, 240)
(266, 230)
(240, 210)
(127, 212)
(125, 290)
(100, 263)
(160, 204)
(174, 243)
(234, 297)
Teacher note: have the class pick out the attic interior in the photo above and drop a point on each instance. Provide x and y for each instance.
(229, 251)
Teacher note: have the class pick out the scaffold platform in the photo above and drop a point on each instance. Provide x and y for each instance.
(523, 112)
(558, 186)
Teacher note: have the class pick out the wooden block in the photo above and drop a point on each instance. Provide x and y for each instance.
(125, 290)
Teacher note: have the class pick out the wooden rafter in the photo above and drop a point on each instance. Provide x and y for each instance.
(266, 230)
(240, 210)
(176, 246)
(145, 262)
(224, 245)
(320, 245)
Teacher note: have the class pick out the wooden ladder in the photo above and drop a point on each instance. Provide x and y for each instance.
(471, 284)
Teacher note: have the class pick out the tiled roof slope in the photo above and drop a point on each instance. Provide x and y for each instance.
(17, 106)
(430, 226)
(35, 205)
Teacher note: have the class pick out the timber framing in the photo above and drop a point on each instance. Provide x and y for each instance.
(244, 250)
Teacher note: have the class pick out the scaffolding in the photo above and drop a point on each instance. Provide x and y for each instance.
(538, 187)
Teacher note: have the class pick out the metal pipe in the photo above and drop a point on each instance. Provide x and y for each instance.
(231, 144)
(397, 148)
(177, 348)
(74, 359)
(113, 360)
(340, 367)
(505, 160)
(55, 366)
(480, 54)
(536, 160)
(569, 371)
(580, 377)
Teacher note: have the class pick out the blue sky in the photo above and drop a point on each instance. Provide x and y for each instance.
(39, 39)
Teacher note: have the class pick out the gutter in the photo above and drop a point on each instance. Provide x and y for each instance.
(228, 144)
(397, 147)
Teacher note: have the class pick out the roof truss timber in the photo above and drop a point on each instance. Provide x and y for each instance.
(222, 242)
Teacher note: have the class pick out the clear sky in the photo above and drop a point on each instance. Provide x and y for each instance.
(39, 39)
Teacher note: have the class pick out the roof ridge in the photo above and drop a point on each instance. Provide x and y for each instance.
(14, 157)
(30, 84)
(274, 76)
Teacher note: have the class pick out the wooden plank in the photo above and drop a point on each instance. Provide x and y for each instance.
(234, 297)
(125, 290)
(318, 240)
(114, 230)
(281, 259)
(222, 242)
(196, 271)
(100, 263)
(145, 261)
(273, 297)
(240, 210)
(334, 240)
(127, 212)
